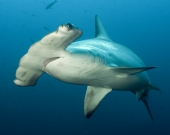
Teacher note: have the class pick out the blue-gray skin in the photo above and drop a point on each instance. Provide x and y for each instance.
(111, 54)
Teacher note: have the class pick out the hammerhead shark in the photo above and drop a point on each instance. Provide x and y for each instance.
(99, 63)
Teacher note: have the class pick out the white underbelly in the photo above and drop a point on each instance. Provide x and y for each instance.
(76, 69)
(82, 69)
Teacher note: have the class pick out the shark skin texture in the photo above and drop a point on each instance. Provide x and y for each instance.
(98, 63)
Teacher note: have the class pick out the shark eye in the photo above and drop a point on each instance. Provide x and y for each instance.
(69, 25)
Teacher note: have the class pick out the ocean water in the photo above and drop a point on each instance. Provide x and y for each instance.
(56, 108)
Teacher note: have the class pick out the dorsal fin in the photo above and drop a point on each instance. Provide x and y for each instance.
(99, 29)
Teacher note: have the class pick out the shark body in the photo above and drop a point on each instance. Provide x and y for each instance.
(99, 63)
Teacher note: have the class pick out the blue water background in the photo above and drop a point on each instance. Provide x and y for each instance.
(56, 108)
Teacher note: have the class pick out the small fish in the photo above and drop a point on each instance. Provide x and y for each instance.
(46, 29)
(50, 5)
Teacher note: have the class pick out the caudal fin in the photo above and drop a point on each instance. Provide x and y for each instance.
(142, 95)
(144, 100)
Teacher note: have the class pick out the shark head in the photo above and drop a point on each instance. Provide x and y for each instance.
(32, 64)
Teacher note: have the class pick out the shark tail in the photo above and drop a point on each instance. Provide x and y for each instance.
(143, 96)
(144, 100)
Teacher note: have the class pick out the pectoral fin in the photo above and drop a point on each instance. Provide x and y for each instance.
(131, 70)
(93, 97)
